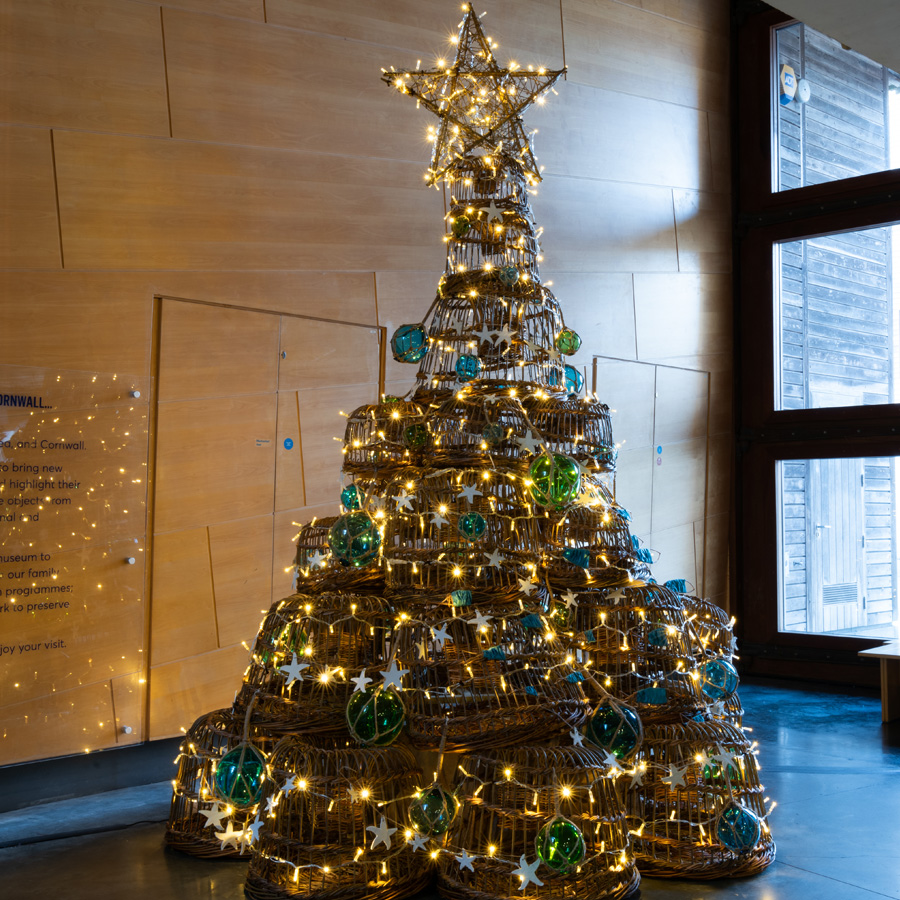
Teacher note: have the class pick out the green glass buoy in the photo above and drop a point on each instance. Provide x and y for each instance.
(433, 811)
(354, 539)
(461, 225)
(471, 526)
(493, 435)
(375, 717)
(555, 480)
(568, 342)
(415, 435)
(240, 775)
(738, 828)
(616, 728)
(350, 497)
(560, 844)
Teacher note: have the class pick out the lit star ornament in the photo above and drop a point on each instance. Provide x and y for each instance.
(293, 671)
(381, 834)
(526, 872)
(478, 103)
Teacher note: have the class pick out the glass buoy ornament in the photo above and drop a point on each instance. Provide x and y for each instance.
(738, 828)
(468, 368)
(493, 435)
(718, 679)
(409, 343)
(375, 717)
(461, 225)
(616, 728)
(560, 844)
(433, 811)
(471, 526)
(350, 497)
(577, 556)
(415, 435)
(555, 480)
(574, 380)
(240, 775)
(354, 539)
(508, 275)
(568, 342)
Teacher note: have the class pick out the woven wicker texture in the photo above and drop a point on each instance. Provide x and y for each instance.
(309, 846)
(507, 797)
(677, 824)
(207, 740)
(335, 635)
(486, 677)
(377, 437)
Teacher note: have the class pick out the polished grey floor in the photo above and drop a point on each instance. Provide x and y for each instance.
(826, 758)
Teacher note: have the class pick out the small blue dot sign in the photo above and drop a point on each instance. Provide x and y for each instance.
(288, 443)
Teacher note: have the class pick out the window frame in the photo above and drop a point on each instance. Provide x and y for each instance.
(764, 218)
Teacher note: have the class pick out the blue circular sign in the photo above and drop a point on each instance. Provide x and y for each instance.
(288, 443)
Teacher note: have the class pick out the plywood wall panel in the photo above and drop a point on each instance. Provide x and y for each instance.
(713, 535)
(240, 9)
(682, 315)
(137, 203)
(211, 351)
(289, 490)
(28, 220)
(569, 141)
(241, 557)
(183, 615)
(703, 224)
(91, 64)
(315, 352)
(634, 486)
(209, 469)
(679, 485)
(403, 298)
(128, 692)
(711, 15)
(629, 389)
(682, 405)
(633, 51)
(593, 226)
(181, 691)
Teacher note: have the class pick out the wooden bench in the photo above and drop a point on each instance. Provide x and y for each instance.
(889, 654)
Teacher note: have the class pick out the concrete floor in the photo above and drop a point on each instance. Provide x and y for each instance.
(826, 758)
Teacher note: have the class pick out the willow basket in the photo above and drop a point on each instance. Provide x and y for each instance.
(507, 797)
(309, 846)
(676, 825)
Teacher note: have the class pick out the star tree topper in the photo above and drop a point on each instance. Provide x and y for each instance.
(478, 103)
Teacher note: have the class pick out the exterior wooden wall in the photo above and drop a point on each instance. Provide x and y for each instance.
(244, 154)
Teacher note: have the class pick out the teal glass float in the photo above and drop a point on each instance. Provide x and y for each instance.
(375, 717)
(468, 368)
(471, 526)
(415, 435)
(493, 435)
(616, 728)
(409, 343)
(354, 539)
(461, 598)
(432, 812)
(715, 771)
(350, 497)
(574, 380)
(567, 342)
(461, 225)
(560, 844)
(555, 480)
(577, 556)
(508, 275)
(240, 775)
(718, 679)
(658, 637)
(738, 828)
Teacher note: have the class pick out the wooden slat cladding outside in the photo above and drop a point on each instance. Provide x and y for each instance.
(244, 154)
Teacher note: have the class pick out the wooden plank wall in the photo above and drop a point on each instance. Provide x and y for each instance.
(244, 153)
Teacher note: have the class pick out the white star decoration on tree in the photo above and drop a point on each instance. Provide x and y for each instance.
(486, 334)
(230, 837)
(577, 738)
(504, 334)
(381, 834)
(440, 635)
(361, 681)
(289, 785)
(465, 861)
(480, 620)
(570, 599)
(417, 841)
(526, 872)
(438, 518)
(214, 816)
(403, 500)
(316, 559)
(494, 559)
(529, 442)
(251, 832)
(527, 586)
(675, 778)
(469, 492)
(393, 675)
(637, 777)
(293, 671)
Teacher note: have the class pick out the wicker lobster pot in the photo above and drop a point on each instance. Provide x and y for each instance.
(425, 553)
(641, 649)
(712, 626)
(677, 826)
(207, 740)
(507, 797)
(336, 635)
(328, 574)
(495, 685)
(575, 428)
(309, 844)
(378, 436)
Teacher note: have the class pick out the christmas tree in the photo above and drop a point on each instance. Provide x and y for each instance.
(478, 676)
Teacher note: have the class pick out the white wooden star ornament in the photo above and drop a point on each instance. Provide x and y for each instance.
(213, 816)
(675, 778)
(361, 681)
(417, 841)
(526, 873)
(381, 834)
(293, 671)
(577, 738)
(465, 861)
(440, 636)
(392, 677)
(230, 837)
(469, 492)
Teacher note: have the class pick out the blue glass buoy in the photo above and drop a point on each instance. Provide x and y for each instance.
(471, 526)
(461, 598)
(574, 380)
(350, 497)
(738, 828)
(409, 343)
(578, 556)
(468, 368)
(239, 777)
(493, 435)
(432, 812)
(354, 539)
(718, 679)
(508, 274)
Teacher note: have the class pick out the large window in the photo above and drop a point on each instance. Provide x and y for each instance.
(818, 341)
